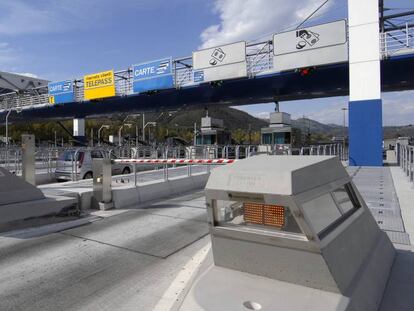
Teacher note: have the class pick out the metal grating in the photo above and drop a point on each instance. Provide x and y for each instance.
(377, 188)
(398, 237)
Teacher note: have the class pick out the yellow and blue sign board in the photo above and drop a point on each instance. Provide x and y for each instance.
(99, 85)
(61, 92)
(153, 75)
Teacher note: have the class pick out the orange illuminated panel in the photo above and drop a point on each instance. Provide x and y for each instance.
(264, 214)
(274, 215)
(253, 213)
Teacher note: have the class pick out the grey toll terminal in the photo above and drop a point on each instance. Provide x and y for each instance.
(290, 233)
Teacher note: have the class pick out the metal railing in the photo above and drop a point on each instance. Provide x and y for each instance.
(228, 157)
(46, 158)
(259, 60)
(397, 42)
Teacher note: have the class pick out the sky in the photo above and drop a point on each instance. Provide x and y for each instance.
(65, 39)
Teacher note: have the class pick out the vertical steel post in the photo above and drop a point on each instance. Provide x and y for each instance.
(135, 174)
(143, 127)
(407, 37)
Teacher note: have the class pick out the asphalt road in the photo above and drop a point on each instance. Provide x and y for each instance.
(124, 261)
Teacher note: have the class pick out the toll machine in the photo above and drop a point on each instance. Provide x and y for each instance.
(290, 233)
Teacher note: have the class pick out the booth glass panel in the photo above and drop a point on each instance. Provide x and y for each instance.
(253, 216)
(279, 138)
(321, 211)
(267, 139)
(344, 202)
(328, 211)
(346, 198)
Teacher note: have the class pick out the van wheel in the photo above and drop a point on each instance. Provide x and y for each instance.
(126, 171)
(88, 175)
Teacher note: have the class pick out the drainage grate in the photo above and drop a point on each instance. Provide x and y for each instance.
(376, 187)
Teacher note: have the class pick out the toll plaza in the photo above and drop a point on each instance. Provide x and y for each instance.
(212, 225)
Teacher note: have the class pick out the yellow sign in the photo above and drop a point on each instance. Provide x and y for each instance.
(99, 85)
(51, 99)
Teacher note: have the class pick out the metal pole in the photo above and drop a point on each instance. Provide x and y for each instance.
(120, 135)
(99, 136)
(407, 35)
(91, 137)
(135, 174)
(7, 127)
(195, 133)
(344, 134)
(7, 138)
(143, 127)
(136, 135)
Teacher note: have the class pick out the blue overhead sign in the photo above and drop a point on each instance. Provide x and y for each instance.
(61, 92)
(153, 75)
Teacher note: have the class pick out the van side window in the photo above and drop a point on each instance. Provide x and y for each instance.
(96, 154)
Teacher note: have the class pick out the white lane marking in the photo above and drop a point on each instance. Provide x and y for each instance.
(181, 283)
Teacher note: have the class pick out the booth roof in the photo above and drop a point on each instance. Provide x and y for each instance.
(280, 175)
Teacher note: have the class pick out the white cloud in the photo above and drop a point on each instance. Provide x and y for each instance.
(250, 19)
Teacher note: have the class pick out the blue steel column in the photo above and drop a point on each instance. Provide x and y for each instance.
(365, 104)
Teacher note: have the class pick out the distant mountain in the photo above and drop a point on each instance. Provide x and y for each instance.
(233, 118)
(307, 125)
(237, 119)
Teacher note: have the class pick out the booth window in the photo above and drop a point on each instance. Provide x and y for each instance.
(327, 211)
(267, 139)
(253, 216)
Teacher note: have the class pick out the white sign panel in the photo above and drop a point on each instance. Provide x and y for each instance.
(219, 63)
(311, 46)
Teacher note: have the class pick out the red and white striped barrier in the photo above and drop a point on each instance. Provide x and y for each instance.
(176, 161)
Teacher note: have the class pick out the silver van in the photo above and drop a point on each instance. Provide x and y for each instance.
(66, 170)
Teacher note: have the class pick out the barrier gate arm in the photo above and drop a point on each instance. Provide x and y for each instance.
(176, 161)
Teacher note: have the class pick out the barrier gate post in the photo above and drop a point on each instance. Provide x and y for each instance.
(102, 190)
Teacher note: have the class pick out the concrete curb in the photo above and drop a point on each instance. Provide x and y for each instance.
(129, 196)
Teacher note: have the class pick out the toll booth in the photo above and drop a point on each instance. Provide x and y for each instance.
(280, 131)
(291, 232)
(212, 132)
